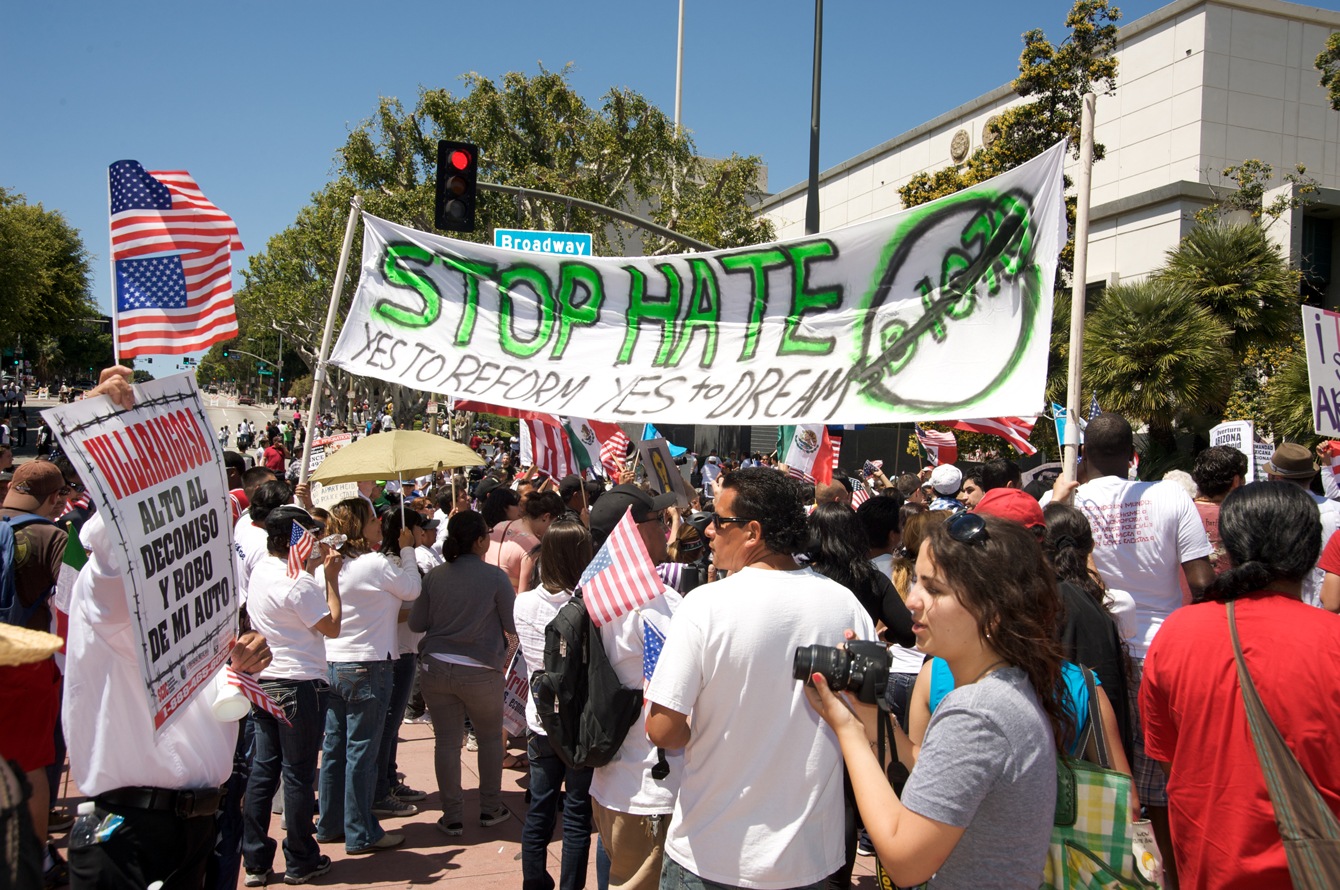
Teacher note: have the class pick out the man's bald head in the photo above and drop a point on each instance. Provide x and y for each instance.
(832, 491)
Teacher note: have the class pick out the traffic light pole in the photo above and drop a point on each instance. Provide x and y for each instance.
(604, 211)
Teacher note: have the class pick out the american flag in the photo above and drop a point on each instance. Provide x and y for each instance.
(941, 447)
(300, 542)
(799, 474)
(859, 493)
(612, 453)
(256, 695)
(80, 502)
(1014, 430)
(544, 444)
(621, 577)
(1094, 410)
(652, 642)
(871, 466)
(171, 249)
(837, 449)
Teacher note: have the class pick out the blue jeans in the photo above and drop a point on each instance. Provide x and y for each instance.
(227, 860)
(402, 684)
(288, 752)
(676, 877)
(548, 775)
(359, 692)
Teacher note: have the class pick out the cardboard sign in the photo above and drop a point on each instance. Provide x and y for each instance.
(662, 473)
(156, 473)
(327, 496)
(516, 688)
(1321, 337)
(1239, 434)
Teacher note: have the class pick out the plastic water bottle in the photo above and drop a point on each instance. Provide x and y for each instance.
(85, 830)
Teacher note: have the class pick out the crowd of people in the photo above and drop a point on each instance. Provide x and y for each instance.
(1020, 627)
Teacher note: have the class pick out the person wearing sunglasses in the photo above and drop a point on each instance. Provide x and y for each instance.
(760, 801)
(977, 810)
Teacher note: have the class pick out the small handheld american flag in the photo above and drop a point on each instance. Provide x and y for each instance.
(256, 695)
(300, 543)
(859, 493)
(652, 641)
(622, 575)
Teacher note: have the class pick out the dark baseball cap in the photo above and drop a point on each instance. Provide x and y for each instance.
(571, 484)
(486, 485)
(278, 521)
(613, 504)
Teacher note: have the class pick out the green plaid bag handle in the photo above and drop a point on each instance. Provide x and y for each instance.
(1309, 829)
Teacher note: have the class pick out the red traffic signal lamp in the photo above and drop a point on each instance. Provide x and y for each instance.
(457, 186)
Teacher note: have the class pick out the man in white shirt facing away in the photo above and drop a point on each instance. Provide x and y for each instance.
(760, 802)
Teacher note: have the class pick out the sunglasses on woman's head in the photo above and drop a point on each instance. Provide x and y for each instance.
(967, 528)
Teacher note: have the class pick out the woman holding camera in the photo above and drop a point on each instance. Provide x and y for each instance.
(977, 811)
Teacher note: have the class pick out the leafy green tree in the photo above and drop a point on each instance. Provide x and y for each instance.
(1252, 178)
(1288, 400)
(533, 132)
(1156, 356)
(1328, 63)
(44, 271)
(141, 376)
(1258, 376)
(1242, 278)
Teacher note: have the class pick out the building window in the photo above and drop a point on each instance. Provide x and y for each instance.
(1315, 262)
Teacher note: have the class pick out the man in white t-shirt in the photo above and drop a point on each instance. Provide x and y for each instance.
(1143, 532)
(1293, 463)
(760, 802)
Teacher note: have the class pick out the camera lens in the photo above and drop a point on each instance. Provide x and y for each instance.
(833, 664)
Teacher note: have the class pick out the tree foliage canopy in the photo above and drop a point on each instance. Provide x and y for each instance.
(1328, 63)
(533, 132)
(44, 271)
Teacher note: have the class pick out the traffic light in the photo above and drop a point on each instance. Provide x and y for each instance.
(225, 353)
(457, 186)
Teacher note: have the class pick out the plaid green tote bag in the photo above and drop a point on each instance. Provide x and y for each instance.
(1091, 835)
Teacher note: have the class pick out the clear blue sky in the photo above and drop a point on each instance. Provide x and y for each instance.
(254, 98)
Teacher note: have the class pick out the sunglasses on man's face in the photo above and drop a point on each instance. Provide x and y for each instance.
(719, 521)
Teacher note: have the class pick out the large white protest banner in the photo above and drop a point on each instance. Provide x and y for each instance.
(1321, 337)
(941, 311)
(156, 474)
(1238, 434)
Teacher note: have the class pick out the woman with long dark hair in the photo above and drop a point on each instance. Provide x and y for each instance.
(465, 610)
(360, 662)
(1191, 701)
(977, 810)
(565, 552)
(1068, 543)
(501, 506)
(837, 548)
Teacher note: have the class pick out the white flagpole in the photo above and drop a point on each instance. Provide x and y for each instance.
(319, 378)
(111, 261)
(1070, 448)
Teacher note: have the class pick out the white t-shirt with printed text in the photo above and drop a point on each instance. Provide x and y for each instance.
(1142, 533)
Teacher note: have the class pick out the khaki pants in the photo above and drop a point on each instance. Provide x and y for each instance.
(634, 850)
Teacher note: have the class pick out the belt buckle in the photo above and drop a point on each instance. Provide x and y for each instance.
(185, 804)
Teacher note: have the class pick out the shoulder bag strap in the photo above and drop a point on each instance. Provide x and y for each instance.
(1096, 722)
(1310, 830)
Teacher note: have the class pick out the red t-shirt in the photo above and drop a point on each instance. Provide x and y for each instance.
(237, 501)
(1330, 556)
(274, 460)
(1219, 559)
(1191, 708)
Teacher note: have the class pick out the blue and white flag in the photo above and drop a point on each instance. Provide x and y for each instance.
(652, 641)
(650, 432)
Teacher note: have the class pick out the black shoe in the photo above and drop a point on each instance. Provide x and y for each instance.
(322, 866)
(59, 873)
(488, 820)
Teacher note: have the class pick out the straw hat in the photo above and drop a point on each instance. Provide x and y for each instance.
(19, 645)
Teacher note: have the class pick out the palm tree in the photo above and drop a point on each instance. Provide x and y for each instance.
(1288, 402)
(1156, 356)
(1242, 278)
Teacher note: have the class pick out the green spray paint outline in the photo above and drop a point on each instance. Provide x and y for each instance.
(1026, 270)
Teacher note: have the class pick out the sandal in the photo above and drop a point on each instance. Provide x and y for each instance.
(517, 761)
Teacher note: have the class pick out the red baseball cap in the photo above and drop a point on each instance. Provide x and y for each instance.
(1013, 504)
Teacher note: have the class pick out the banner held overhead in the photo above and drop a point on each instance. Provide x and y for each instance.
(940, 311)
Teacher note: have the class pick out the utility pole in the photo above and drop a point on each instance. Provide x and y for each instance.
(679, 69)
(812, 194)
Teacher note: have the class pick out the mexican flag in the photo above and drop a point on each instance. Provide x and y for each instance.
(74, 560)
(586, 438)
(807, 451)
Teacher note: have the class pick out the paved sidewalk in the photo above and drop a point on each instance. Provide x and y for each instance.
(482, 858)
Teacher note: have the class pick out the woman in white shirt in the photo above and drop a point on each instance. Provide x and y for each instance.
(295, 615)
(565, 552)
(360, 663)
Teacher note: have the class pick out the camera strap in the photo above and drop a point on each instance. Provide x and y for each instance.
(885, 731)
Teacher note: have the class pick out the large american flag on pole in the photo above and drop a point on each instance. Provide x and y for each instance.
(1014, 430)
(171, 253)
(622, 575)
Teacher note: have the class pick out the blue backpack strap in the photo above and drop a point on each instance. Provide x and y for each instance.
(11, 611)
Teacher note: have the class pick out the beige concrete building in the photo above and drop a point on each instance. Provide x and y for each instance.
(1201, 84)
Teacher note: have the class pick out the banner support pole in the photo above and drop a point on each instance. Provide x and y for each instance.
(1079, 281)
(319, 378)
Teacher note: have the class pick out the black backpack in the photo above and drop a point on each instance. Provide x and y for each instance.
(581, 704)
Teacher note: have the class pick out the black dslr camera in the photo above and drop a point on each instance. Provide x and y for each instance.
(862, 667)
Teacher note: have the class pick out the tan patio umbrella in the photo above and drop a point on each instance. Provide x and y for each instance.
(398, 454)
